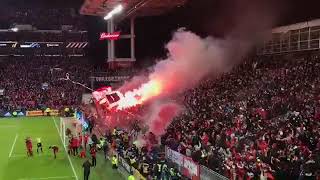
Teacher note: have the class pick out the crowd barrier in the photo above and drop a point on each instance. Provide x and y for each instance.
(10, 114)
(124, 168)
(124, 164)
(53, 112)
(185, 165)
(208, 174)
(191, 169)
(34, 113)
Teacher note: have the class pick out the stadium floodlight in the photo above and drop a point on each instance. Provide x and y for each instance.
(116, 10)
(109, 16)
(15, 29)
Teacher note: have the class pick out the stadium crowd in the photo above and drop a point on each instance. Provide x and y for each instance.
(35, 82)
(259, 121)
(40, 18)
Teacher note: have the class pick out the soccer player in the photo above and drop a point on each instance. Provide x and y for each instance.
(80, 140)
(86, 139)
(93, 153)
(70, 148)
(83, 154)
(29, 146)
(55, 150)
(76, 145)
(39, 145)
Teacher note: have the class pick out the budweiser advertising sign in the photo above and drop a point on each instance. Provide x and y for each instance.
(110, 36)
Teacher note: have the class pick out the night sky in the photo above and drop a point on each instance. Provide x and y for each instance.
(211, 17)
(204, 17)
(207, 17)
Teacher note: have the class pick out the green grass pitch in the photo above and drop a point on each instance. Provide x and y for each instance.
(15, 165)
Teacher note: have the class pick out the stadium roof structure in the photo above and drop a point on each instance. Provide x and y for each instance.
(132, 8)
(301, 25)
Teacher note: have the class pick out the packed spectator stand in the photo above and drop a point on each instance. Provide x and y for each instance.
(260, 121)
(40, 18)
(54, 31)
(32, 82)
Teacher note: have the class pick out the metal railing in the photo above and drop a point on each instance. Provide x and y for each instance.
(208, 174)
(203, 173)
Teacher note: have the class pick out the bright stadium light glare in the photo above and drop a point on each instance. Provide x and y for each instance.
(109, 16)
(116, 10)
(15, 29)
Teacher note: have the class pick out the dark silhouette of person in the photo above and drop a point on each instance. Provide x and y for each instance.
(86, 169)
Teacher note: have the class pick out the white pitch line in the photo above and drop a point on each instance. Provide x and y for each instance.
(58, 177)
(14, 143)
(18, 155)
(74, 172)
(8, 126)
(36, 155)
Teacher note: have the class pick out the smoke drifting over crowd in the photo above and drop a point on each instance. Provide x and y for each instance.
(161, 115)
(190, 59)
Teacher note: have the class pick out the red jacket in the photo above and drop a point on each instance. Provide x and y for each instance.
(93, 152)
(74, 142)
(86, 137)
(80, 140)
(29, 144)
(82, 154)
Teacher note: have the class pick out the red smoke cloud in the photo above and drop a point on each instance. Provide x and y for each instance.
(191, 59)
(161, 117)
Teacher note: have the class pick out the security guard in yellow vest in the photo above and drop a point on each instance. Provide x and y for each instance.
(114, 162)
(47, 111)
(101, 144)
(131, 177)
(67, 112)
(174, 174)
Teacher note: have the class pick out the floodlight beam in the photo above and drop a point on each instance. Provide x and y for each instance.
(116, 10)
